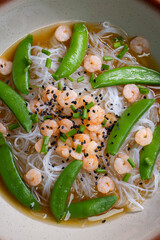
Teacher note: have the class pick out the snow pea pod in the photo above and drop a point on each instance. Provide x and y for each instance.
(126, 75)
(75, 53)
(20, 72)
(12, 178)
(62, 187)
(149, 155)
(16, 104)
(91, 207)
(125, 123)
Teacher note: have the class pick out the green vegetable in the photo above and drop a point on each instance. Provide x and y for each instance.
(100, 170)
(34, 118)
(126, 177)
(91, 77)
(72, 132)
(124, 50)
(125, 123)
(84, 114)
(48, 63)
(79, 148)
(63, 137)
(47, 117)
(143, 90)
(81, 129)
(16, 104)
(89, 105)
(73, 108)
(21, 64)
(105, 67)
(80, 79)
(133, 165)
(45, 145)
(62, 188)
(46, 52)
(104, 122)
(91, 207)
(75, 53)
(13, 180)
(76, 115)
(59, 86)
(70, 79)
(107, 58)
(126, 75)
(116, 44)
(13, 126)
(149, 155)
(60, 59)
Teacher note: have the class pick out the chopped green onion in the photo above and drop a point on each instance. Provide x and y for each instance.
(27, 68)
(46, 52)
(59, 86)
(45, 145)
(121, 40)
(73, 108)
(2, 140)
(56, 77)
(124, 50)
(133, 165)
(63, 137)
(84, 114)
(80, 79)
(115, 39)
(82, 128)
(47, 117)
(148, 161)
(13, 126)
(143, 90)
(91, 77)
(28, 60)
(107, 58)
(89, 105)
(104, 122)
(48, 63)
(76, 115)
(126, 177)
(34, 118)
(105, 67)
(116, 44)
(79, 148)
(72, 132)
(100, 170)
(60, 59)
(70, 79)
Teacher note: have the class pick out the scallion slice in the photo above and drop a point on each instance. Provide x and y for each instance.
(124, 50)
(81, 129)
(107, 58)
(72, 132)
(47, 117)
(34, 118)
(59, 86)
(126, 177)
(70, 79)
(73, 108)
(46, 52)
(48, 63)
(79, 148)
(143, 90)
(116, 44)
(105, 67)
(89, 105)
(45, 145)
(100, 170)
(80, 79)
(84, 114)
(104, 122)
(133, 165)
(63, 137)
(76, 115)
(14, 126)
(91, 77)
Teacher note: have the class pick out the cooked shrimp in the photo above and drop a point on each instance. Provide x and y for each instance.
(63, 151)
(131, 92)
(93, 128)
(65, 125)
(33, 177)
(84, 100)
(38, 145)
(5, 67)
(77, 122)
(111, 119)
(102, 134)
(49, 128)
(3, 129)
(95, 115)
(94, 137)
(144, 136)
(35, 106)
(65, 98)
(91, 147)
(66, 111)
(90, 163)
(81, 139)
(92, 63)
(121, 165)
(68, 142)
(139, 45)
(75, 155)
(63, 33)
(105, 185)
(49, 93)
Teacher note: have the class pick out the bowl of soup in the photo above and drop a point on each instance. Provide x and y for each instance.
(79, 120)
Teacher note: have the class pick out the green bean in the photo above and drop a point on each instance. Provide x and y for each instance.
(91, 207)
(126, 75)
(13, 180)
(16, 104)
(149, 155)
(76, 51)
(21, 64)
(125, 123)
(62, 187)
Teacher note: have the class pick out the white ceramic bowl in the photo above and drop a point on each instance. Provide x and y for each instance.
(19, 17)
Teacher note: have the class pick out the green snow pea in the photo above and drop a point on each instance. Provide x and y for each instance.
(16, 104)
(62, 187)
(149, 155)
(91, 207)
(75, 53)
(126, 75)
(21, 64)
(125, 123)
(12, 177)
